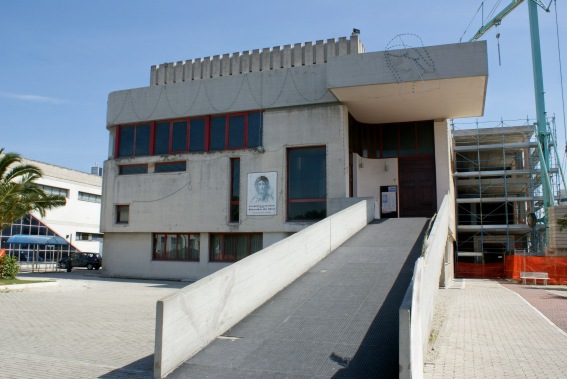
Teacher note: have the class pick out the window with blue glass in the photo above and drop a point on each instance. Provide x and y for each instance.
(199, 134)
(307, 184)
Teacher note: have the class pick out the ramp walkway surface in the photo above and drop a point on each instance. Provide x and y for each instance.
(338, 320)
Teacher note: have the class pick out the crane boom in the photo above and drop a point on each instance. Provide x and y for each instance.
(496, 19)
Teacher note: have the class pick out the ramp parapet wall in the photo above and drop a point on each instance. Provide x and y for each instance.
(274, 58)
(189, 320)
(416, 311)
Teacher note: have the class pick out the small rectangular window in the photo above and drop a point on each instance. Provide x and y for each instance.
(236, 132)
(122, 214)
(171, 167)
(161, 144)
(233, 247)
(84, 196)
(176, 247)
(407, 140)
(179, 137)
(133, 169)
(234, 189)
(142, 144)
(55, 191)
(197, 135)
(218, 133)
(254, 129)
(307, 184)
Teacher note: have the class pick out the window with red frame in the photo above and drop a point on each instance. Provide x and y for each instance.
(307, 183)
(176, 247)
(234, 189)
(234, 247)
(198, 134)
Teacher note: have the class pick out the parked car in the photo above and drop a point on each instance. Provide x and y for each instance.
(28, 257)
(88, 260)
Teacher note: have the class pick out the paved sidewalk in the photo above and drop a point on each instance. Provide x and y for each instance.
(484, 330)
(85, 326)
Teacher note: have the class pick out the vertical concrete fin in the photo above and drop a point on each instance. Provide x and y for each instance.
(178, 74)
(188, 70)
(161, 71)
(308, 54)
(330, 49)
(235, 64)
(153, 75)
(265, 59)
(276, 58)
(286, 56)
(320, 52)
(206, 68)
(255, 61)
(225, 65)
(215, 67)
(197, 72)
(297, 55)
(245, 62)
(342, 46)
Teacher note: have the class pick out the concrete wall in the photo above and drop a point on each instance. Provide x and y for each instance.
(265, 59)
(197, 201)
(370, 174)
(443, 159)
(190, 319)
(416, 311)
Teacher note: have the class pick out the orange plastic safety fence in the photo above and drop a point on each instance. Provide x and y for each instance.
(556, 267)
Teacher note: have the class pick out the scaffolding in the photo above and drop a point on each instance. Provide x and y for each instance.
(498, 181)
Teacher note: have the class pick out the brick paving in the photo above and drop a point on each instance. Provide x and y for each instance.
(85, 326)
(488, 331)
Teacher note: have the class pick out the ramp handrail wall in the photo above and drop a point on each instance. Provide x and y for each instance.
(190, 319)
(416, 311)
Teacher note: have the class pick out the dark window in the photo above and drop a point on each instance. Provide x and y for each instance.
(307, 184)
(254, 129)
(142, 145)
(407, 140)
(218, 133)
(176, 247)
(233, 247)
(171, 167)
(133, 169)
(122, 214)
(179, 137)
(126, 138)
(425, 133)
(161, 145)
(236, 132)
(197, 135)
(85, 196)
(234, 189)
(389, 141)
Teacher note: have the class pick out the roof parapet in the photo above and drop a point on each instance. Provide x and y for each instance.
(257, 60)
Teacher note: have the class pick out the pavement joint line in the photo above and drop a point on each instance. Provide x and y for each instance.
(536, 310)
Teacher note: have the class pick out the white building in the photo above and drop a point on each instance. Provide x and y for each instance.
(318, 124)
(78, 221)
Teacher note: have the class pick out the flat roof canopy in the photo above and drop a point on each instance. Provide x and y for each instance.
(23, 239)
(425, 83)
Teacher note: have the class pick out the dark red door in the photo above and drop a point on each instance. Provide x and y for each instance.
(418, 192)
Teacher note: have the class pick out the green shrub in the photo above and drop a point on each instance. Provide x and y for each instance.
(9, 267)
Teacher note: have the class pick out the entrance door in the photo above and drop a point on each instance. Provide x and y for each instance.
(418, 193)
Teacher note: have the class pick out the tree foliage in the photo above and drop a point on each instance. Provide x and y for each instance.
(19, 194)
(562, 222)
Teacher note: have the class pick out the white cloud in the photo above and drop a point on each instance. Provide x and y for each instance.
(33, 98)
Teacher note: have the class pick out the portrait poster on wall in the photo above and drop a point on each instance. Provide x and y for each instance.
(262, 191)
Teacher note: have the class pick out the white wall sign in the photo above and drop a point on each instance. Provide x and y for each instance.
(262, 191)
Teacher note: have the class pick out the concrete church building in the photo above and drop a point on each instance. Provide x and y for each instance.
(220, 157)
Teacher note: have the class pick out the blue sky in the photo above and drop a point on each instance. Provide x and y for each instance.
(61, 58)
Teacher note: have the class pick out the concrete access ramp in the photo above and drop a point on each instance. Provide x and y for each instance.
(338, 320)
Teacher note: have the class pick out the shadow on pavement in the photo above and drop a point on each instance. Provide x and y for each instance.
(140, 369)
(378, 354)
(99, 275)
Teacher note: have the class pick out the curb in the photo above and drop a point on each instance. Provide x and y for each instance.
(24, 286)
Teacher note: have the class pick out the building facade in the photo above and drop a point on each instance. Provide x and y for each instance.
(78, 221)
(220, 157)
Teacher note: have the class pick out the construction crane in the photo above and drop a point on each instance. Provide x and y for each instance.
(542, 130)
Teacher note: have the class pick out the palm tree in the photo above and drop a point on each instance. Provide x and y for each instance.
(19, 194)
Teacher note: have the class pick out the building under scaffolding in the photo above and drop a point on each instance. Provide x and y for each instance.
(500, 208)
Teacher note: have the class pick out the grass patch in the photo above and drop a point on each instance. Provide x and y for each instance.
(4, 282)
